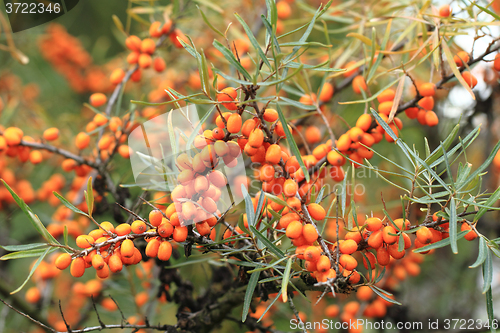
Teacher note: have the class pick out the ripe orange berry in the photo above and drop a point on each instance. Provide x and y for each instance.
(364, 293)
(35, 157)
(152, 248)
(356, 134)
(115, 263)
(234, 123)
(144, 60)
(98, 99)
(138, 227)
(165, 250)
(155, 29)
(431, 119)
(427, 89)
(326, 92)
(348, 246)
(316, 211)
(376, 239)
(402, 224)
(227, 95)
(159, 64)
(117, 76)
(141, 298)
(323, 264)
(148, 46)
(312, 135)
(424, 235)
(155, 218)
(122, 229)
(412, 112)
(344, 142)
(133, 43)
(389, 235)
(383, 256)
(51, 134)
(460, 58)
(133, 57)
(283, 9)
(13, 136)
(312, 253)
(270, 115)
(444, 11)
(471, 235)
(364, 122)
(127, 248)
(290, 188)
(373, 224)
(469, 79)
(348, 262)
(309, 233)
(77, 267)
(33, 295)
(98, 262)
(180, 234)
(358, 84)
(256, 138)
(496, 62)
(294, 230)
(63, 261)
(427, 103)
(335, 159)
(82, 140)
(386, 95)
(84, 241)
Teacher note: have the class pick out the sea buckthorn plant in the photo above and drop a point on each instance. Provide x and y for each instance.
(345, 166)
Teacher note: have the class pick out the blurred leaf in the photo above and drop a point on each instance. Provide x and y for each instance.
(118, 23)
(252, 283)
(209, 24)
(89, 196)
(211, 5)
(26, 254)
(367, 41)
(22, 247)
(454, 69)
(486, 10)
(397, 98)
(35, 266)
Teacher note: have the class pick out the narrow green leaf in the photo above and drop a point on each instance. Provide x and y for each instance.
(490, 202)
(252, 283)
(383, 294)
(22, 247)
(483, 166)
(489, 309)
(232, 60)
(267, 243)
(254, 42)
(439, 244)
(487, 272)
(35, 266)
(65, 235)
(248, 205)
(25, 254)
(209, 24)
(269, 306)
(68, 204)
(481, 257)
(89, 196)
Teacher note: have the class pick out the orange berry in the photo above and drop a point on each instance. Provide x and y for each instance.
(388, 238)
(431, 119)
(82, 140)
(256, 138)
(356, 134)
(165, 250)
(63, 261)
(51, 134)
(348, 262)
(358, 84)
(334, 158)
(84, 241)
(127, 248)
(312, 135)
(270, 115)
(144, 60)
(180, 234)
(234, 123)
(117, 76)
(412, 112)
(98, 262)
(310, 233)
(383, 256)
(427, 89)
(326, 92)
(444, 11)
(141, 298)
(316, 211)
(348, 246)
(133, 57)
(364, 122)
(13, 136)
(159, 64)
(35, 157)
(155, 218)
(496, 62)
(133, 43)
(424, 235)
(469, 79)
(123, 229)
(77, 267)
(386, 95)
(138, 227)
(115, 263)
(385, 107)
(312, 253)
(294, 230)
(460, 58)
(290, 188)
(227, 95)
(471, 235)
(344, 142)
(427, 103)
(364, 293)
(155, 29)
(323, 264)
(283, 9)
(98, 99)
(148, 46)
(33, 295)
(152, 248)
(373, 224)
